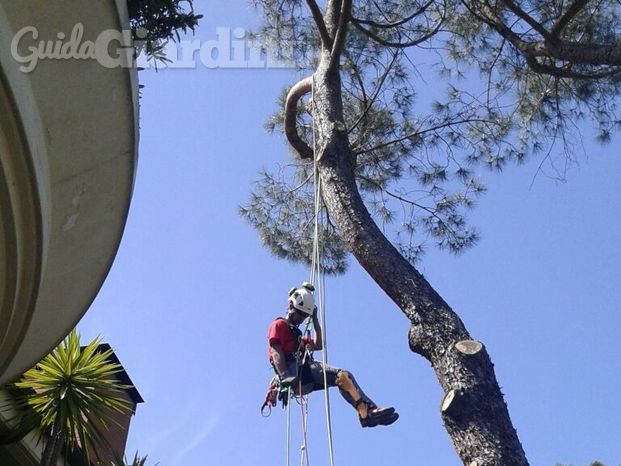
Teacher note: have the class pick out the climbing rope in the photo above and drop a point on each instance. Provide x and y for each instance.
(317, 272)
(317, 252)
(316, 276)
(325, 378)
(304, 413)
(303, 402)
(288, 425)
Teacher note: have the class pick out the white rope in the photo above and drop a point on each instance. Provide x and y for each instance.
(315, 259)
(316, 268)
(321, 280)
(288, 425)
(315, 272)
(304, 410)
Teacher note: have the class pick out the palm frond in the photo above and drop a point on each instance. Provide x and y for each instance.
(75, 389)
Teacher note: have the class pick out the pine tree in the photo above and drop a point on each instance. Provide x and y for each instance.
(513, 80)
(155, 22)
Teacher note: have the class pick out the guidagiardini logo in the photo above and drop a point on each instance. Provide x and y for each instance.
(231, 49)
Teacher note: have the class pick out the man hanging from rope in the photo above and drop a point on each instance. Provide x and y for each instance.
(290, 353)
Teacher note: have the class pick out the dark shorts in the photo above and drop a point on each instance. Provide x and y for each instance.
(311, 375)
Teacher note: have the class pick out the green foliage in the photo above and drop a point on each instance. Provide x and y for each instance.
(136, 461)
(70, 395)
(155, 22)
(547, 105)
(286, 216)
(432, 95)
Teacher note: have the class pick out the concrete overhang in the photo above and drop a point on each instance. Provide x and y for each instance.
(68, 153)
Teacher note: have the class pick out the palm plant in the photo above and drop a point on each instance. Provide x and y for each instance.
(69, 397)
(137, 461)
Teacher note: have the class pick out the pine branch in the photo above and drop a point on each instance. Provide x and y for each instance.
(339, 36)
(298, 91)
(429, 210)
(398, 23)
(526, 17)
(571, 12)
(491, 19)
(399, 45)
(418, 133)
(326, 40)
(566, 71)
(571, 52)
(376, 93)
(583, 54)
(301, 185)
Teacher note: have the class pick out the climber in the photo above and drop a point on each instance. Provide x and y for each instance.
(290, 353)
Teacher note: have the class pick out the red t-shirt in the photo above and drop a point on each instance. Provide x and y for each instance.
(279, 332)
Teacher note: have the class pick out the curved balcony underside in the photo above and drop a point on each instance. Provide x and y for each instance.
(68, 148)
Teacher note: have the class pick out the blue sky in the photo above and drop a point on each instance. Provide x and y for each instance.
(188, 301)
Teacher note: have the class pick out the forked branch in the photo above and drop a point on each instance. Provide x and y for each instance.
(340, 35)
(552, 49)
(326, 40)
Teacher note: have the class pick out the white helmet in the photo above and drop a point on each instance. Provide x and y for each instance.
(302, 298)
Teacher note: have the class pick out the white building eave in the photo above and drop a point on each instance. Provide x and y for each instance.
(68, 153)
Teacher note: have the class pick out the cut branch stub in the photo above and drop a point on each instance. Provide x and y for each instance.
(457, 406)
(449, 402)
(469, 347)
(298, 91)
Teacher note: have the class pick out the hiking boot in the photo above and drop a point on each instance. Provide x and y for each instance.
(379, 417)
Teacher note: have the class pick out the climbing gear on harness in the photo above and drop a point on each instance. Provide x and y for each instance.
(277, 390)
(303, 300)
(271, 397)
(297, 374)
(288, 381)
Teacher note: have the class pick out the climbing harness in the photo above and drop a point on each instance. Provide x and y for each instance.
(277, 391)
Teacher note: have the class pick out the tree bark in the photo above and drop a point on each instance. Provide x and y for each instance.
(477, 418)
(50, 453)
(586, 54)
(58, 445)
(54, 444)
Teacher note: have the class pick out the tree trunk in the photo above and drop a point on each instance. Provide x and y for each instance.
(474, 412)
(50, 452)
(58, 445)
(54, 443)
